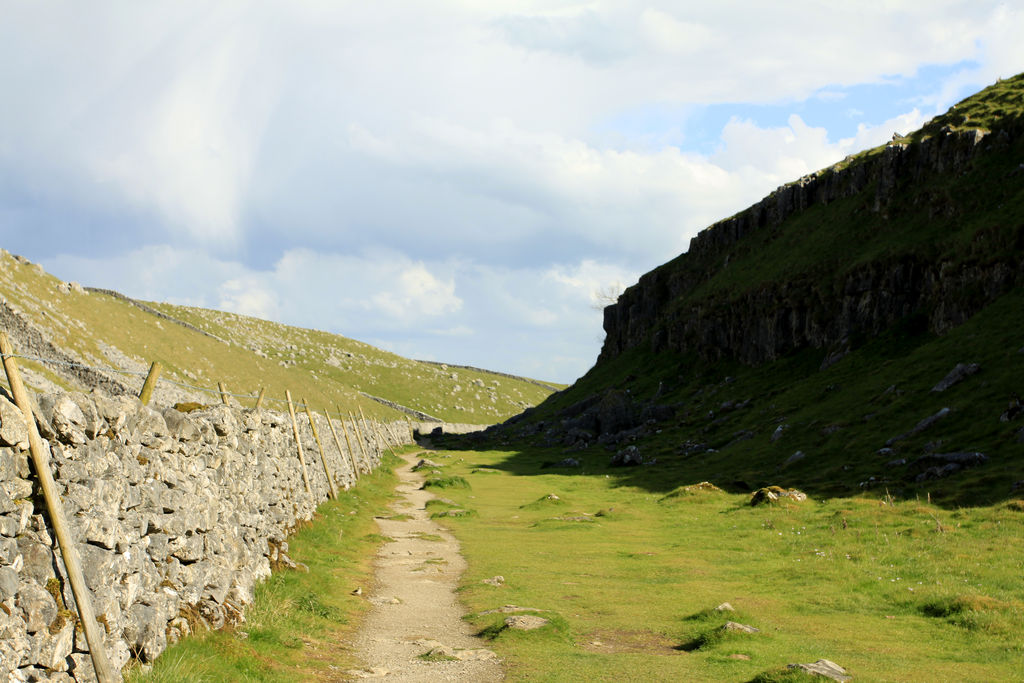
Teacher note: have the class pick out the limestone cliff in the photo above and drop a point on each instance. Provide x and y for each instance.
(912, 228)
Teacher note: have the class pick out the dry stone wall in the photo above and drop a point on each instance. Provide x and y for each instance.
(176, 516)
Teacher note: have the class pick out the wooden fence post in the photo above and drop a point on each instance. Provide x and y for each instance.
(359, 440)
(320, 446)
(150, 383)
(366, 428)
(93, 635)
(348, 442)
(298, 442)
(223, 393)
(334, 433)
(259, 399)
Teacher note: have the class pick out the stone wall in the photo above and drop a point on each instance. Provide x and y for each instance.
(177, 517)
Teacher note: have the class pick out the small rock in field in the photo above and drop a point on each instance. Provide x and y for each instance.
(824, 668)
(796, 457)
(725, 607)
(525, 622)
(739, 628)
(494, 581)
(959, 373)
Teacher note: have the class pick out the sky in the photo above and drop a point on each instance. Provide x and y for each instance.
(467, 181)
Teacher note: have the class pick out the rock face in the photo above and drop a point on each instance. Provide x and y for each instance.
(766, 322)
(177, 517)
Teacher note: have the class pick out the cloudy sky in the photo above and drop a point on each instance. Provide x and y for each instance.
(463, 181)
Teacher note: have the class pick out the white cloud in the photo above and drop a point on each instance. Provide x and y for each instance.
(431, 173)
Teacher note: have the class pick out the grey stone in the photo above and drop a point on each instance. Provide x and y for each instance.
(37, 607)
(13, 430)
(50, 650)
(526, 622)
(38, 559)
(958, 374)
(8, 583)
(64, 416)
(180, 426)
(627, 457)
(737, 627)
(796, 457)
(825, 669)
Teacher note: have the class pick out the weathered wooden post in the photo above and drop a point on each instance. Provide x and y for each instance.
(366, 428)
(150, 383)
(93, 635)
(359, 440)
(298, 441)
(320, 446)
(348, 442)
(259, 399)
(341, 453)
(223, 393)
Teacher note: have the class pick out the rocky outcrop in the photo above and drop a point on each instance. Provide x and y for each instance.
(177, 517)
(773, 319)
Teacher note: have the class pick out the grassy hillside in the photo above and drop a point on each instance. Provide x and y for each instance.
(247, 353)
(814, 417)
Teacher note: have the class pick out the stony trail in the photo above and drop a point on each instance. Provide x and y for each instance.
(415, 609)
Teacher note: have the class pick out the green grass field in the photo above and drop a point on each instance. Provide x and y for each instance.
(892, 591)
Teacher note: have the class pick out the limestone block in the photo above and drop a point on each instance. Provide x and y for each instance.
(13, 430)
(37, 607)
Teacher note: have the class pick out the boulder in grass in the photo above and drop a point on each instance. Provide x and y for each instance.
(825, 669)
(769, 495)
(958, 374)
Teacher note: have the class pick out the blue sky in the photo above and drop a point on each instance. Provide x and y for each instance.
(460, 181)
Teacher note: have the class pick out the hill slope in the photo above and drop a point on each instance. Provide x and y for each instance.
(51, 319)
(801, 341)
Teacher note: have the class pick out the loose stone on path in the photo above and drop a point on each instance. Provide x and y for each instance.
(415, 631)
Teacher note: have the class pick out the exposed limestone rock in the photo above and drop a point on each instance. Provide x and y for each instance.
(627, 457)
(13, 430)
(772, 320)
(825, 669)
(958, 374)
(776, 494)
(526, 622)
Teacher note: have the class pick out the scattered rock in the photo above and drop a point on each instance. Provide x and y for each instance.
(425, 464)
(959, 373)
(567, 462)
(940, 465)
(774, 494)
(825, 669)
(627, 457)
(494, 581)
(737, 627)
(438, 650)
(1014, 410)
(796, 457)
(777, 434)
(13, 430)
(920, 426)
(526, 622)
(725, 607)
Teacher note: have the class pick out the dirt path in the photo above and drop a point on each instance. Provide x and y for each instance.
(415, 610)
